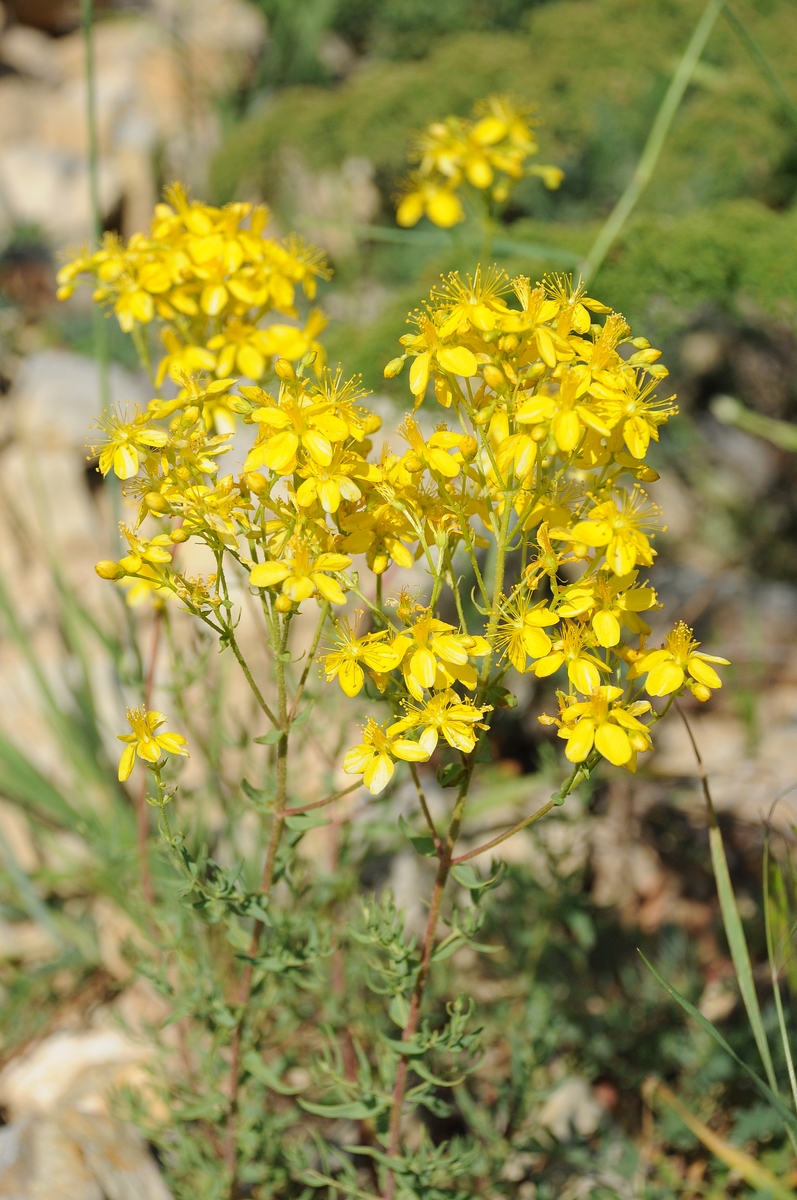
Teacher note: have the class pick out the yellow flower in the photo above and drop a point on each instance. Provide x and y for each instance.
(521, 631)
(302, 574)
(145, 742)
(611, 601)
(617, 525)
(343, 663)
(446, 713)
(433, 453)
(435, 200)
(374, 757)
(433, 655)
(667, 668)
(125, 440)
(613, 729)
(583, 668)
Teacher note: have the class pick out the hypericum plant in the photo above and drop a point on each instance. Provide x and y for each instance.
(523, 509)
(488, 154)
(209, 278)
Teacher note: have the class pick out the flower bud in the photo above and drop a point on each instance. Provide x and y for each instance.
(647, 474)
(468, 446)
(178, 535)
(494, 376)
(394, 367)
(701, 692)
(256, 482)
(156, 503)
(283, 603)
(109, 570)
(239, 405)
(380, 563)
(285, 371)
(191, 414)
(372, 423)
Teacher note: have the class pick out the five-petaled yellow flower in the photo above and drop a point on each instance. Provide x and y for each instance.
(375, 755)
(679, 662)
(145, 742)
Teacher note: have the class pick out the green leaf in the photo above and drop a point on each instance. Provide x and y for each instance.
(423, 842)
(399, 1010)
(269, 739)
(769, 1095)
(258, 796)
(408, 1049)
(304, 715)
(254, 1064)
(737, 943)
(354, 1110)
(301, 822)
(451, 774)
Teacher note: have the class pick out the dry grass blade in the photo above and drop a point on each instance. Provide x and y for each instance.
(752, 1172)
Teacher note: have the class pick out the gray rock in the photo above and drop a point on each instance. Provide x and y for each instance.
(76, 1156)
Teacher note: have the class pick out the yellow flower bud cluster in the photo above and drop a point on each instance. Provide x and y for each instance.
(208, 276)
(490, 153)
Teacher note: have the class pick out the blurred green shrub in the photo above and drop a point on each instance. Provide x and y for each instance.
(572, 56)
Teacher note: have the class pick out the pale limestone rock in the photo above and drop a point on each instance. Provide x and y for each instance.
(74, 1156)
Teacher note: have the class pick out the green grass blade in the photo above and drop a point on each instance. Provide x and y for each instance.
(773, 968)
(732, 412)
(771, 1097)
(737, 944)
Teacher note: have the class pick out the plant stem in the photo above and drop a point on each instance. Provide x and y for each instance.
(502, 837)
(275, 721)
(100, 328)
(142, 813)
(427, 946)
(275, 834)
(310, 658)
(763, 63)
(655, 142)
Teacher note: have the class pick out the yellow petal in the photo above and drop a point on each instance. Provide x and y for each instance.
(579, 743)
(268, 574)
(665, 678)
(702, 672)
(409, 751)
(613, 743)
(458, 360)
(607, 628)
(419, 373)
(126, 763)
(584, 675)
(378, 773)
(357, 759)
(423, 667)
(280, 451)
(351, 677)
(329, 588)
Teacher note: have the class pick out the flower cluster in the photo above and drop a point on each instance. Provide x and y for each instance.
(491, 153)
(550, 409)
(209, 277)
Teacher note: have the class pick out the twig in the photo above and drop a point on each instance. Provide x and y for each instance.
(502, 837)
(293, 812)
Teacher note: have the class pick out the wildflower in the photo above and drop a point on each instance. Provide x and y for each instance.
(426, 198)
(617, 525)
(343, 663)
(448, 714)
(613, 729)
(302, 574)
(667, 669)
(433, 655)
(521, 631)
(145, 742)
(610, 600)
(583, 668)
(374, 757)
(126, 441)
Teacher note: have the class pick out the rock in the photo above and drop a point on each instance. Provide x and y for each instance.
(75, 1069)
(572, 1108)
(30, 52)
(73, 1156)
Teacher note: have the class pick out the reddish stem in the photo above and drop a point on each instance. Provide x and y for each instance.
(142, 808)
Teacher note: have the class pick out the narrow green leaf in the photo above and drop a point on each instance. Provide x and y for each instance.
(301, 822)
(769, 1095)
(737, 943)
(258, 1070)
(268, 739)
(423, 842)
(354, 1110)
